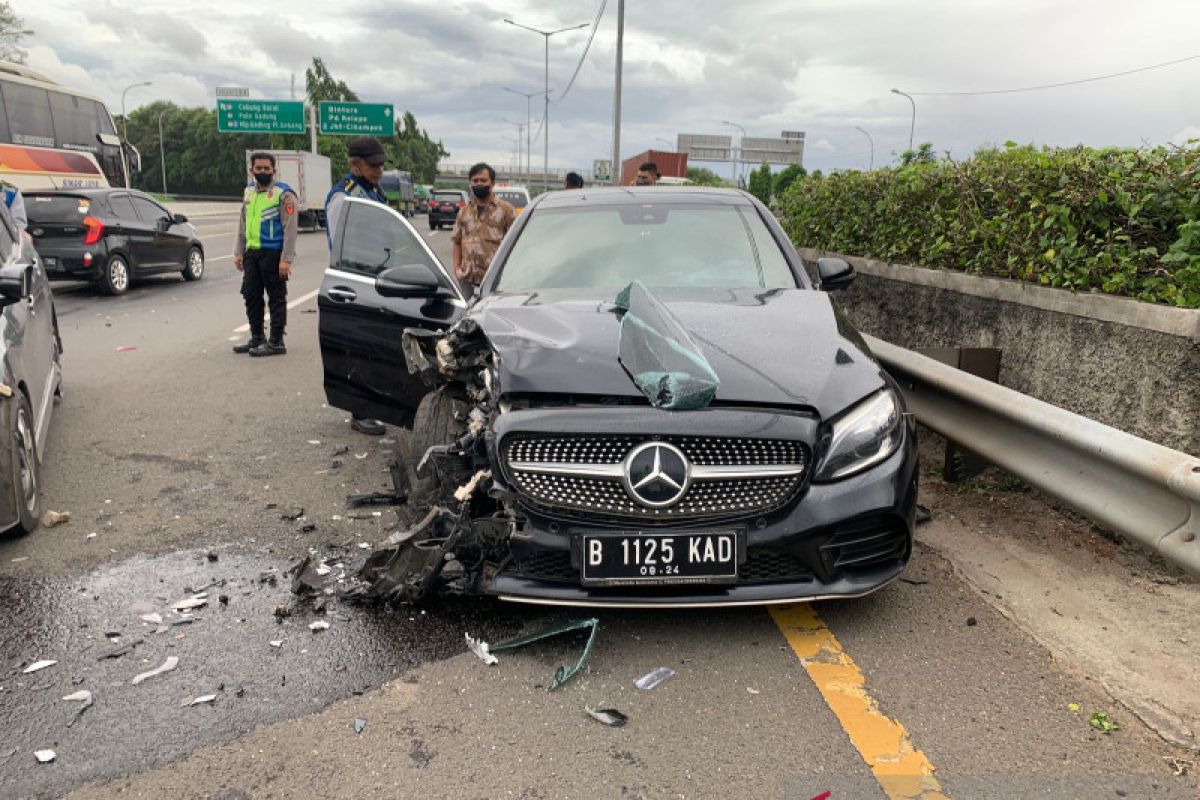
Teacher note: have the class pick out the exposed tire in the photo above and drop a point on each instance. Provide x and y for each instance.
(193, 267)
(26, 477)
(433, 425)
(117, 275)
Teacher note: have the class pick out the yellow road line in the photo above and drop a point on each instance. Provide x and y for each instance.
(901, 769)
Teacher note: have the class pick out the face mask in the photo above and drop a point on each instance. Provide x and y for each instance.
(263, 178)
(642, 182)
(481, 191)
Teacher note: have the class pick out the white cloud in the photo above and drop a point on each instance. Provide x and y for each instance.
(824, 67)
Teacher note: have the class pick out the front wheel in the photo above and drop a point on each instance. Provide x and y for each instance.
(193, 267)
(116, 277)
(26, 478)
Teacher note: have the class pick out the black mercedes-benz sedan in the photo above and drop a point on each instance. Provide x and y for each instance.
(649, 404)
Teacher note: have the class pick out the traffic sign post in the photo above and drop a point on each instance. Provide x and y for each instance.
(356, 119)
(260, 116)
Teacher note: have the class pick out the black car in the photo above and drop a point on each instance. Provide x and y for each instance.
(444, 205)
(665, 409)
(110, 237)
(30, 354)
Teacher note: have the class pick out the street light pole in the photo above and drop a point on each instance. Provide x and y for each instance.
(912, 125)
(124, 92)
(735, 160)
(162, 152)
(546, 112)
(664, 141)
(872, 141)
(519, 125)
(528, 129)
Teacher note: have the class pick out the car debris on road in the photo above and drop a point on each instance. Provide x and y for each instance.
(171, 663)
(561, 675)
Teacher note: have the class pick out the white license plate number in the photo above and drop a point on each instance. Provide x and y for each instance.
(627, 558)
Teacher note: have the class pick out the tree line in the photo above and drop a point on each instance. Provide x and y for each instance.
(201, 161)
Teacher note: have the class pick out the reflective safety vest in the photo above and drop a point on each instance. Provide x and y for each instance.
(264, 228)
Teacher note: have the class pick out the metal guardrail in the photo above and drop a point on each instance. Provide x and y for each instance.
(1139, 489)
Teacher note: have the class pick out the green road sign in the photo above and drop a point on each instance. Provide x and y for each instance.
(356, 119)
(260, 116)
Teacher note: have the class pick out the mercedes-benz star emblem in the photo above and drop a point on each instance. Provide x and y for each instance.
(657, 474)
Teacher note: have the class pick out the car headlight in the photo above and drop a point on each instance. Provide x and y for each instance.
(864, 436)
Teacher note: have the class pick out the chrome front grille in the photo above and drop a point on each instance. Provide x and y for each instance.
(587, 475)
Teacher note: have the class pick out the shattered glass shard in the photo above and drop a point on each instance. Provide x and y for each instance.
(660, 356)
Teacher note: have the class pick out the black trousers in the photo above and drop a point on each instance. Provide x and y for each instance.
(260, 271)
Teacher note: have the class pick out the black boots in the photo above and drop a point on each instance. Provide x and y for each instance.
(270, 348)
(246, 347)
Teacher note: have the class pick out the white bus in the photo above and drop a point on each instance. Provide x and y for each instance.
(54, 137)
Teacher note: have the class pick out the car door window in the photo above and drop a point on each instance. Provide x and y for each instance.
(148, 211)
(122, 207)
(376, 239)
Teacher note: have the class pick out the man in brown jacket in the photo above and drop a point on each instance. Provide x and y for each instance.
(479, 228)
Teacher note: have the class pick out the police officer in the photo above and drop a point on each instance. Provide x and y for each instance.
(366, 169)
(263, 252)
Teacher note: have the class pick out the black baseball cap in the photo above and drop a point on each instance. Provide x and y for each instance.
(368, 149)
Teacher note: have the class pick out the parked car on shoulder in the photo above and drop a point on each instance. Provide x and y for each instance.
(110, 237)
(31, 360)
(444, 206)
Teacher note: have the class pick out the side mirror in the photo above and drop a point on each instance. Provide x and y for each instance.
(163, 223)
(834, 273)
(178, 219)
(408, 280)
(16, 283)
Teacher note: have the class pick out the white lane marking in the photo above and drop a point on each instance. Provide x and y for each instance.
(299, 300)
(219, 258)
(214, 235)
(431, 234)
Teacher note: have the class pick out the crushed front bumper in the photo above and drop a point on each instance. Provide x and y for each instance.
(835, 540)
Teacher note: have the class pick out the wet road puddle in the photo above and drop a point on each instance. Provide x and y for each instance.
(263, 668)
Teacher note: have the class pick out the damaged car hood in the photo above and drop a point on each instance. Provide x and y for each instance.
(782, 347)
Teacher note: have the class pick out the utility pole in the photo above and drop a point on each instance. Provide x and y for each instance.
(312, 128)
(546, 113)
(872, 141)
(615, 168)
(162, 152)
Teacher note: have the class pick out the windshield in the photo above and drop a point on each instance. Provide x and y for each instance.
(516, 199)
(51, 208)
(661, 245)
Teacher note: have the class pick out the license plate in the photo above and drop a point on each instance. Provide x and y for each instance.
(50, 263)
(614, 559)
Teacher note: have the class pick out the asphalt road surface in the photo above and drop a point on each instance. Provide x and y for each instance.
(198, 470)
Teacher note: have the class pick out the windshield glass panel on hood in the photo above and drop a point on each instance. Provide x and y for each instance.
(661, 245)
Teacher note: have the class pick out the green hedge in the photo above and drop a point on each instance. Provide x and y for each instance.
(1117, 221)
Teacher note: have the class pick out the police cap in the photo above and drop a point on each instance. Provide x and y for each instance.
(368, 149)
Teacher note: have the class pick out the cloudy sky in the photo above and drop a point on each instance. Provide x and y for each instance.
(822, 66)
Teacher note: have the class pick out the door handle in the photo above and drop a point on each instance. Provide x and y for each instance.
(342, 294)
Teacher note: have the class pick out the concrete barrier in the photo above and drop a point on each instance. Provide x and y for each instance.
(1131, 365)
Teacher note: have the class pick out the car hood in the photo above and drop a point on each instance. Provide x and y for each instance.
(781, 347)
